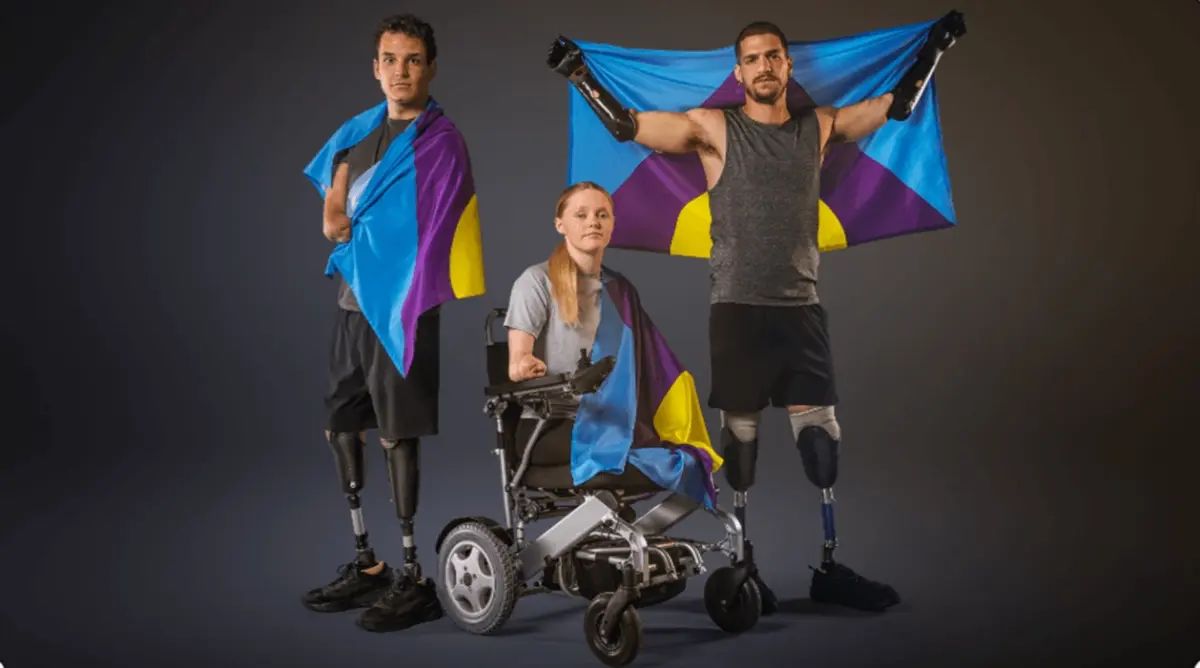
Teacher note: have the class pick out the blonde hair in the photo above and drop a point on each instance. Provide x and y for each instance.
(564, 273)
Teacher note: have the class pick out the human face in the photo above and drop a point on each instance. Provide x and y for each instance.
(586, 221)
(763, 68)
(403, 70)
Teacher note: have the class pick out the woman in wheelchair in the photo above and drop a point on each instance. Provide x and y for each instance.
(553, 313)
(582, 442)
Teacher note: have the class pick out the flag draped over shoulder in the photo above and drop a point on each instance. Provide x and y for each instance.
(892, 182)
(647, 412)
(415, 240)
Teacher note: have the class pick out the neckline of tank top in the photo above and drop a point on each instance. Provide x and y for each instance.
(741, 109)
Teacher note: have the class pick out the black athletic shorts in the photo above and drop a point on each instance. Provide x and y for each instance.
(775, 354)
(366, 390)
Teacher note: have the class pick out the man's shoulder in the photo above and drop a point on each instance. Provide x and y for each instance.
(708, 115)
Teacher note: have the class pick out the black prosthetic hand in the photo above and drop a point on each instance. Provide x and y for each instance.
(912, 85)
(566, 58)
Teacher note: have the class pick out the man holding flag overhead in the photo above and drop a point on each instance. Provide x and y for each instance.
(760, 177)
(400, 203)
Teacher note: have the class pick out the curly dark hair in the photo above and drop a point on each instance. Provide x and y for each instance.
(758, 28)
(410, 25)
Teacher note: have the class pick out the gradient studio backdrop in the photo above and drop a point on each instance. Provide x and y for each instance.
(1016, 392)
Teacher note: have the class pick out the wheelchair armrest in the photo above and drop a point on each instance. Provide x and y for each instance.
(542, 383)
(582, 381)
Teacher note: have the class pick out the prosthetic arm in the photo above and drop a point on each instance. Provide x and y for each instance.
(912, 85)
(566, 58)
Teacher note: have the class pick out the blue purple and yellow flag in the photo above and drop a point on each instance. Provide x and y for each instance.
(891, 183)
(647, 412)
(415, 240)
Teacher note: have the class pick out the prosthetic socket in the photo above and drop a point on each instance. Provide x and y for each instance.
(566, 58)
(404, 474)
(912, 85)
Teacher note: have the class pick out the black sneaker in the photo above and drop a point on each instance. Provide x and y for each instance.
(408, 602)
(835, 583)
(352, 589)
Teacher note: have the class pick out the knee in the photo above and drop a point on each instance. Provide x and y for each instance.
(817, 437)
(739, 438)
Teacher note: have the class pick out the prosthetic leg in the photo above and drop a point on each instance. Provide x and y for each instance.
(362, 581)
(819, 452)
(348, 454)
(834, 582)
(741, 461)
(404, 473)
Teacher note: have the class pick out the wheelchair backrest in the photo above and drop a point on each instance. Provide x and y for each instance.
(497, 351)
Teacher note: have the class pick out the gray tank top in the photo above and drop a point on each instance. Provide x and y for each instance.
(764, 212)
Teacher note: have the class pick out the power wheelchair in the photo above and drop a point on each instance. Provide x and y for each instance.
(598, 548)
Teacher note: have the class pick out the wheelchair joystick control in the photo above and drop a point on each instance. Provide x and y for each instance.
(585, 360)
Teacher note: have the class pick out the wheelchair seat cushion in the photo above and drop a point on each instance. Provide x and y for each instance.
(550, 463)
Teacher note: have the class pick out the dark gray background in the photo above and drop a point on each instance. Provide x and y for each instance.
(1016, 392)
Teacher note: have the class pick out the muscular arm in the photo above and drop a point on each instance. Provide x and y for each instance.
(336, 225)
(853, 122)
(674, 132)
(522, 365)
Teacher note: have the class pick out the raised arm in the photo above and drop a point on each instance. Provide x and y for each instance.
(336, 223)
(675, 132)
(856, 121)
(851, 123)
(668, 132)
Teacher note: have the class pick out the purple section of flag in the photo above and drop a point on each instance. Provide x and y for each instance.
(444, 187)
(870, 201)
(647, 204)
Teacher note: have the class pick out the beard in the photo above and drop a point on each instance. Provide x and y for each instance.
(767, 98)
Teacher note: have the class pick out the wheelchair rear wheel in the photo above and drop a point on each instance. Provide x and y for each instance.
(478, 574)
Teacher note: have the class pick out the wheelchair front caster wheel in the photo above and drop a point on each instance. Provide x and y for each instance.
(733, 610)
(627, 635)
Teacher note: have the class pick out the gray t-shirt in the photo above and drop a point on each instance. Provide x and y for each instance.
(361, 157)
(532, 309)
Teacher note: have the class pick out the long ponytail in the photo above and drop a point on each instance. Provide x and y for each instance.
(564, 274)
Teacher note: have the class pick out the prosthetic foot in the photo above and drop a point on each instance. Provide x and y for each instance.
(411, 600)
(352, 588)
(837, 583)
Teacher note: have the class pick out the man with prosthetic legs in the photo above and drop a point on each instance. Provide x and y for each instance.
(768, 331)
(366, 388)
